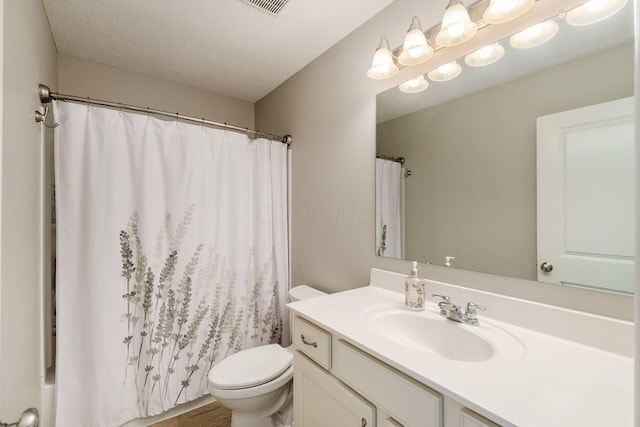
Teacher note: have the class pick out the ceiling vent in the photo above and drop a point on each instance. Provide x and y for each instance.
(270, 6)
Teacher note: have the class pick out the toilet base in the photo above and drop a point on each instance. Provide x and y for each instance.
(276, 407)
(244, 419)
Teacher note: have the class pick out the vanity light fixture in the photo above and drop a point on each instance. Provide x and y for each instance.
(500, 11)
(445, 72)
(383, 66)
(594, 11)
(535, 35)
(456, 26)
(485, 56)
(415, 49)
(414, 85)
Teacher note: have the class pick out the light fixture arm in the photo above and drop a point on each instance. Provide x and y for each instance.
(416, 24)
(384, 43)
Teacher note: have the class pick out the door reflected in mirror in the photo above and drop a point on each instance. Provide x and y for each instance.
(471, 147)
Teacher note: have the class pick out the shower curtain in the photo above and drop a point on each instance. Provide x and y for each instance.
(171, 255)
(389, 201)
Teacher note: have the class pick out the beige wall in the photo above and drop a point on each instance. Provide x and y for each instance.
(637, 275)
(473, 187)
(329, 108)
(29, 57)
(90, 79)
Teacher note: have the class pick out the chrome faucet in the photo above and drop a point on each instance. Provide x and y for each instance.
(453, 312)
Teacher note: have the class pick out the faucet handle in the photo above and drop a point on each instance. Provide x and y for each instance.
(470, 312)
(446, 302)
(445, 298)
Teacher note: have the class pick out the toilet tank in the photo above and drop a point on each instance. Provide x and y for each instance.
(303, 292)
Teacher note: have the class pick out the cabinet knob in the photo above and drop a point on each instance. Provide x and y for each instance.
(364, 423)
(546, 267)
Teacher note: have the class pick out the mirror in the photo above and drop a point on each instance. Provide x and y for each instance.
(468, 188)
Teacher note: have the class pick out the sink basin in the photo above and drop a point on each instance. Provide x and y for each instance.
(430, 333)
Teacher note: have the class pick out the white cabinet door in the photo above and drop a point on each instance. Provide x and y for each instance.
(319, 400)
(586, 196)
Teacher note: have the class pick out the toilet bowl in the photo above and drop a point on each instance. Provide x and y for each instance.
(256, 384)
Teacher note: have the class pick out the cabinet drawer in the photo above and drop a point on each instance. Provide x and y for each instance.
(312, 341)
(403, 398)
(469, 418)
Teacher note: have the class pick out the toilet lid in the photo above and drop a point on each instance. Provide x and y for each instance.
(250, 367)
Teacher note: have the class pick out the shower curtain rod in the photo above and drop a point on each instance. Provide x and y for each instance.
(400, 160)
(46, 96)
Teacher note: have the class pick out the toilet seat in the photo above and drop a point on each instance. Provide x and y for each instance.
(250, 368)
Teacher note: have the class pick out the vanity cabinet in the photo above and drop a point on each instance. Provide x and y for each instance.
(337, 384)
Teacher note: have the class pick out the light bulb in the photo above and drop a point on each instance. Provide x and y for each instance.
(500, 11)
(484, 52)
(445, 72)
(382, 66)
(414, 85)
(446, 68)
(415, 49)
(532, 32)
(456, 26)
(535, 35)
(455, 30)
(595, 5)
(505, 5)
(485, 56)
(594, 11)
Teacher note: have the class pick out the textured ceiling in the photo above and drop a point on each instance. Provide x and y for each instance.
(227, 47)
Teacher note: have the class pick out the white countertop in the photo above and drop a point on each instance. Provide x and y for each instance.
(549, 382)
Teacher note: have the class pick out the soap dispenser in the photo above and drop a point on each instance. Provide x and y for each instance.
(414, 289)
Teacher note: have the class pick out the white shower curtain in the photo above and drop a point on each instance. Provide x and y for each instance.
(389, 201)
(171, 254)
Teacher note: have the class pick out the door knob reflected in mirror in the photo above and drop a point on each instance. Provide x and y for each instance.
(546, 267)
(29, 418)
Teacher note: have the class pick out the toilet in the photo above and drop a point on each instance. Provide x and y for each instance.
(256, 384)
